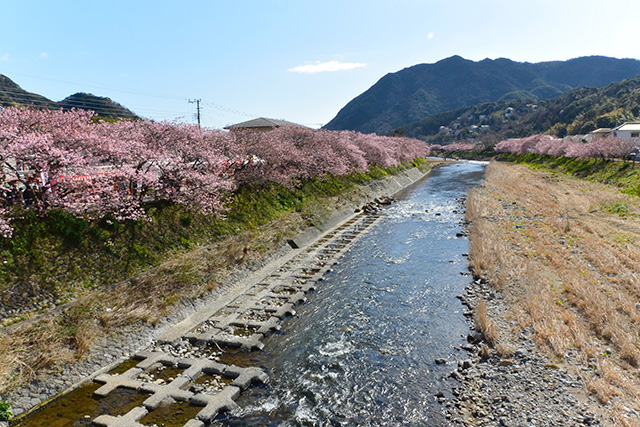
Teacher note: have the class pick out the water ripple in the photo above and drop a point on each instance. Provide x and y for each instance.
(362, 351)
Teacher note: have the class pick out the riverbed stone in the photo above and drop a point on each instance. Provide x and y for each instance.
(522, 392)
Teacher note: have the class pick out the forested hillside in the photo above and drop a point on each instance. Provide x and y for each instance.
(425, 90)
(578, 111)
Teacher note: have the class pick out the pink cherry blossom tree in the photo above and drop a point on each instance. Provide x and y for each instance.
(66, 160)
(38, 146)
(457, 146)
(162, 161)
(6, 230)
(600, 148)
(551, 146)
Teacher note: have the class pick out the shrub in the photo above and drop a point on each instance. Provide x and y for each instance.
(5, 411)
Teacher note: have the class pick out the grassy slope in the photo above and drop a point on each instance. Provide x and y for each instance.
(85, 264)
(624, 175)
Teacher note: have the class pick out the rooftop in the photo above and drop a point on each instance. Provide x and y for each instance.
(262, 122)
(629, 127)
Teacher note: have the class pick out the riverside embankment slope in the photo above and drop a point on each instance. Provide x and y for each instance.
(131, 338)
(556, 262)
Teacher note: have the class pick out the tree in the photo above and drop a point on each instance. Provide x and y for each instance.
(92, 168)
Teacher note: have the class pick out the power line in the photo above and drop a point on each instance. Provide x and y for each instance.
(113, 89)
(26, 97)
(230, 110)
(31, 99)
(36, 98)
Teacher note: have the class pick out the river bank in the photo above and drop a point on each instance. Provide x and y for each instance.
(556, 297)
(132, 337)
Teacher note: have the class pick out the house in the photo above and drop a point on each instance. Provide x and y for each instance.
(261, 124)
(628, 130)
(600, 133)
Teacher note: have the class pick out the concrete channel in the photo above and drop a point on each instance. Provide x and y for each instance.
(253, 308)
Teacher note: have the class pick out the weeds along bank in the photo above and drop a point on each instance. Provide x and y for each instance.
(622, 174)
(87, 205)
(563, 253)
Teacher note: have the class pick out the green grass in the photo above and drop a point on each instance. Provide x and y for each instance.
(5, 411)
(625, 175)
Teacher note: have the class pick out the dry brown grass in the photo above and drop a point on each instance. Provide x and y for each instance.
(43, 344)
(569, 269)
(484, 324)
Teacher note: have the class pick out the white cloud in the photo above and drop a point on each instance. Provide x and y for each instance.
(5, 57)
(430, 35)
(44, 55)
(329, 66)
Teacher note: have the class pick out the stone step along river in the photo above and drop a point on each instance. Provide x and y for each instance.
(346, 332)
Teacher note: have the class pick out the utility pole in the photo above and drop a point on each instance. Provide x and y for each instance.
(197, 102)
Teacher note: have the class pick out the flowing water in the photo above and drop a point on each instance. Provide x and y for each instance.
(362, 351)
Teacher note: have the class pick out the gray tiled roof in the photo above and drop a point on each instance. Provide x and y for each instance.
(262, 122)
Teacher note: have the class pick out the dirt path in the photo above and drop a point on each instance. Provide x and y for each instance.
(561, 257)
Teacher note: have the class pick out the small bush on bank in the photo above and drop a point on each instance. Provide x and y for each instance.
(5, 411)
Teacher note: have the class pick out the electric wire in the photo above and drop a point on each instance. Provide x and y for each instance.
(140, 110)
(41, 102)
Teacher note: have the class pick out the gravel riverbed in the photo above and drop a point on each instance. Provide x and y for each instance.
(522, 388)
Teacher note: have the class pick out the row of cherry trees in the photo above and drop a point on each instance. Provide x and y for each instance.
(456, 146)
(67, 160)
(600, 148)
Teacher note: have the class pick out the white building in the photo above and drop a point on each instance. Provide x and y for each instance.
(600, 133)
(628, 130)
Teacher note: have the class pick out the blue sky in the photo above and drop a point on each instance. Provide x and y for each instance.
(298, 60)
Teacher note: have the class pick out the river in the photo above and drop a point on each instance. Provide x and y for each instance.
(362, 350)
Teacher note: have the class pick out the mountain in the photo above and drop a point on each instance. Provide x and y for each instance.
(424, 90)
(577, 111)
(103, 107)
(13, 95)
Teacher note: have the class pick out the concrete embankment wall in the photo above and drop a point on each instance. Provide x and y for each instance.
(387, 186)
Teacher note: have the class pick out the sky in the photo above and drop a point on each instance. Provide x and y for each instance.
(297, 60)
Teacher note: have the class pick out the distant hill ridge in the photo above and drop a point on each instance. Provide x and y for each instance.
(13, 95)
(578, 111)
(418, 92)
